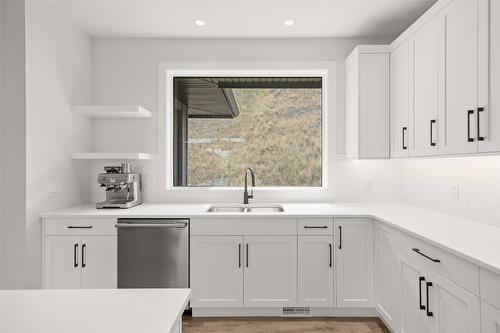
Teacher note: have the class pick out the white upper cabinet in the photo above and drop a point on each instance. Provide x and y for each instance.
(424, 90)
(458, 32)
(400, 100)
(354, 258)
(488, 111)
(367, 102)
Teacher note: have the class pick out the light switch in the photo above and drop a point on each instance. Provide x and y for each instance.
(54, 189)
(455, 191)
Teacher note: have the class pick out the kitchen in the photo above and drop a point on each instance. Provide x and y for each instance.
(365, 133)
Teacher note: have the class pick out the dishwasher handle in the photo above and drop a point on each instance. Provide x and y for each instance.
(152, 225)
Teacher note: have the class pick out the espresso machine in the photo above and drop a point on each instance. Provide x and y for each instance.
(123, 187)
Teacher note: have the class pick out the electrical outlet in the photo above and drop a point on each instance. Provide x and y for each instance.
(367, 185)
(54, 189)
(455, 192)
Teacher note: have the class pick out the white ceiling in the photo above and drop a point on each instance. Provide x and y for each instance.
(242, 18)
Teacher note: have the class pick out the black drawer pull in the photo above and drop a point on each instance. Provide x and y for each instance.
(420, 280)
(479, 137)
(469, 113)
(340, 237)
(315, 227)
(75, 255)
(433, 122)
(403, 138)
(426, 256)
(80, 227)
(239, 255)
(246, 254)
(427, 285)
(83, 256)
(330, 249)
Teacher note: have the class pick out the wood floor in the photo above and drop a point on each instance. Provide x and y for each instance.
(282, 325)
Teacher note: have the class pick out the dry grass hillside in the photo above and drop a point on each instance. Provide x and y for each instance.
(277, 134)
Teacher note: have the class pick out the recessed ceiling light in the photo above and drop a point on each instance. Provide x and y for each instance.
(288, 22)
(200, 22)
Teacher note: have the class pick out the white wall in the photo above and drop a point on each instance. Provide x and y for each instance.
(126, 72)
(13, 144)
(58, 74)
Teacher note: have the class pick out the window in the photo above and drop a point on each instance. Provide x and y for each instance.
(223, 125)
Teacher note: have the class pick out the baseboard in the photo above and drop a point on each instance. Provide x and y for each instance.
(276, 312)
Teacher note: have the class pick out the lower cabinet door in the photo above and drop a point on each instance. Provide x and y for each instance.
(385, 274)
(270, 271)
(354, 259)
(99, 262)
(450, 308)
(62, 262)
(412, 287)
(490, 318)
(315, 285)
(216, 271)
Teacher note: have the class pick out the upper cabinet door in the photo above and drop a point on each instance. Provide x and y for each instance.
(425, 90)
(62, 262)
(400, 100)
(489, 76)
(217, 271)
(354, 258)
(458, 25)
(270, 271)
(99, 262)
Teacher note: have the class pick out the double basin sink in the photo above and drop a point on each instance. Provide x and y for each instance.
(246, 209)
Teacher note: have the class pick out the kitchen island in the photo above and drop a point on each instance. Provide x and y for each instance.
(97, 311)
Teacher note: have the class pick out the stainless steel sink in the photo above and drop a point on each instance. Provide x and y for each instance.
(217, 209)
(269, 209)
(245, 209)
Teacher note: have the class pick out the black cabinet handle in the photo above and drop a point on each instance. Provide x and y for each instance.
(330, 249)
(239, 255)
(247, 254)
(315, 227)
(420, 280)
(75, 255)
(340, 237)
(433, 144)
(80, 227)
(479, 137)
(403, 137)
(469, 113)
(426, 256)
(427, 285)
(83, 255)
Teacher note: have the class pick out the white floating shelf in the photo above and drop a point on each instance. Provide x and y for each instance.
(112, 111)
(113, 156)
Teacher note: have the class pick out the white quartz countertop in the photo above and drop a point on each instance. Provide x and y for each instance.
(472, 240)
(97, 311)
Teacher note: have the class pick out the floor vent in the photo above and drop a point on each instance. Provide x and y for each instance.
(296, 312)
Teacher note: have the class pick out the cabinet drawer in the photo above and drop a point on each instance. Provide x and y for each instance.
(490, 291)
(315, 226)
(78, 226)
(458, 270)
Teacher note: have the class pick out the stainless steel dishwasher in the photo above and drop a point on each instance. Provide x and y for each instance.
(153, 253)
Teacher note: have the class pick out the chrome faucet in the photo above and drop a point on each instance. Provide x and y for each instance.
(246, 194)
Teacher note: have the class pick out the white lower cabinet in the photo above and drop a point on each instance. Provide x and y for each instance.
(243, 271)
(490, 318)
(75, 262)
(354, 262)
(217, 271)
(385, 274)
(454, 310)
(432, 303)
(270, 271)
(315, 278)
